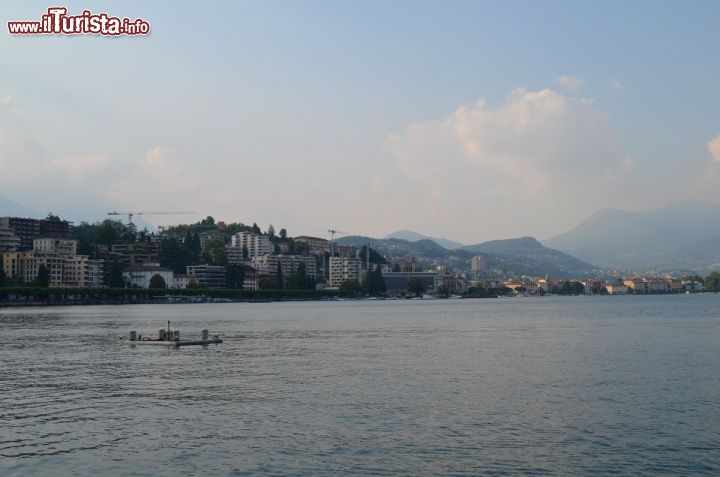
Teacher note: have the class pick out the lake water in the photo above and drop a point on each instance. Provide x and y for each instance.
(529, 386)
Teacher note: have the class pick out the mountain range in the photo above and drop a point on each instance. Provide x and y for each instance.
(682, 236)
(411, 236)
(523, 256)
(10, 208)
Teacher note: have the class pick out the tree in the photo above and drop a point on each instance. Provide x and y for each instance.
(114, 277)
(157, 281)
(3, 278)
(255, 229)
(215, 253)
(416, 286)
(84, 247)
(283, 234)
(234, 276)
(271, 232)
(375, 283)
(268, 283)
(351, 285)
(279, 277)
(43, 277)
(712, 282)
(396, 268)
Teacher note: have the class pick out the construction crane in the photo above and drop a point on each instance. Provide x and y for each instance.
(332, 233)
(131, 214)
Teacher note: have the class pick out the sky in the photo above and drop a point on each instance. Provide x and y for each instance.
(471, 121)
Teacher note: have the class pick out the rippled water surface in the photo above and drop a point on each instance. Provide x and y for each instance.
(546, 386)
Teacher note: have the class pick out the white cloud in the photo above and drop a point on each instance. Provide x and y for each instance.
(616, 85)
(572, 83)
(537, 151)
(76, 167)
(714, 148)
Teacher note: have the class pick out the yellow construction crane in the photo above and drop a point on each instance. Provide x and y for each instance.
(131, 214)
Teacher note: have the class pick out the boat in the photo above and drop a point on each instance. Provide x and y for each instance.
(169, 338)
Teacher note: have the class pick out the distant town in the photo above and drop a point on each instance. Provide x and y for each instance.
(213, 255)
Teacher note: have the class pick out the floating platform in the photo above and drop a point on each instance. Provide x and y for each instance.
(169, 338)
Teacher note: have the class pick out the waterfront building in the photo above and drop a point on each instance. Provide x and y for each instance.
(139, 276)
(616, 288)
(344, 268)
(208, 276)
(181, 281)
(83, 271)
(268, 264)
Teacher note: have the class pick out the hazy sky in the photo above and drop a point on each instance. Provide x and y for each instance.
(467, 120)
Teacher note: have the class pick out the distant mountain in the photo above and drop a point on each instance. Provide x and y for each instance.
(527, 256)
(394, 247)
(411, 236)
(702, 256)
(637, 240)
(10, 208)
(524, 256)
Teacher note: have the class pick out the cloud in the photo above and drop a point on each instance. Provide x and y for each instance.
(616, 85)
(572, 83)
(714, 148)
(4, 99)
(76, 167)
(537, 151)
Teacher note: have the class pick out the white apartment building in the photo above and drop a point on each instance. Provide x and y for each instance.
(256, 245)
(344, 268)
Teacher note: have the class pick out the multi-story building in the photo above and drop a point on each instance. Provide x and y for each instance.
(344, 268)
(209, 276)
(83, 271)
(130, 254)
(61, 246)
(15, 265)
(316, 245)
(9, 242)
(256, 245)
(478, 264)
(25, 229)
(234, 255)
(29, 229)
(53, 226)
(269, 264)
(210, 236)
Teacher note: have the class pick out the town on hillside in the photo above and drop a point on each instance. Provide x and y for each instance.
(209, 254)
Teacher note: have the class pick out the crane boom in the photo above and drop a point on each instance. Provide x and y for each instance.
(132, 213)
